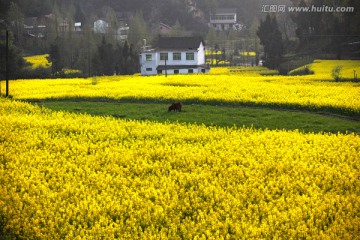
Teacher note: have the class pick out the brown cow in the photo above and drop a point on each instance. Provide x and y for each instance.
(176, 106)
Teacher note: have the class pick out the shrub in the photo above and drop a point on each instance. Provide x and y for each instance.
(301, 71)
(38, 72)
(336, 73)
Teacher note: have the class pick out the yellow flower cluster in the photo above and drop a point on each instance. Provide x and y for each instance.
(38, 61)
(68, 176)
(236, 89)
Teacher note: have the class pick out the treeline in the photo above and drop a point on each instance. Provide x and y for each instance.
(320, 31)
(93, 55)
(89, 54)
(280, 39)
(118, 59)
(168, 11)
(318, 34)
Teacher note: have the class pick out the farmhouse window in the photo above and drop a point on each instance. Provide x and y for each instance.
(177, 56)
(149, 69)
(164, 56)
(191, 71)
(176, 71)
(148, 57)
(190, 56)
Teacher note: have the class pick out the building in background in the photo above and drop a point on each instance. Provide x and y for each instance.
(223, 19)
(174, 55)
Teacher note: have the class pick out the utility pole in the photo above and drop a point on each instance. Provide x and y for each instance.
(7, 63)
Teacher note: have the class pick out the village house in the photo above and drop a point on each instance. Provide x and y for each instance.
(224, 19)
(174, 55)
(164, 29)
(102, 27)
(39, 27)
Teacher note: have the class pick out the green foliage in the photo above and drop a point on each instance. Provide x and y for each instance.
(124, 61)
(320, 32)
(336, 73)
(16, 61)
(38, 72)
(271, 39)
(55, 57)
(304, 70)
(138, 30)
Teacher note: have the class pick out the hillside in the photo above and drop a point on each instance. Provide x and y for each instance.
(152, 10)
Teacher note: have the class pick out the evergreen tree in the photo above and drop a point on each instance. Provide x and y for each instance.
(103, 61)
(15, 17)
(138, 30)
(134, 64)
(177, 30)
(125, 57)
(119, 61)
(270, 37)
(252, 33)
(55, 58)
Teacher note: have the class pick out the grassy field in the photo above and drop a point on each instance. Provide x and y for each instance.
(252, 156)
(226, 97)
(226, 116)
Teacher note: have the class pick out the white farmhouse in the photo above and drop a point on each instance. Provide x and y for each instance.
(174, 55)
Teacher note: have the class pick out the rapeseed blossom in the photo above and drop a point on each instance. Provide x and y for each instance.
(68, 176)
(233, 89)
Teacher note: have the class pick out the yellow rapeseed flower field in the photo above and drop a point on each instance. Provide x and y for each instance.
(76, 176)
(323, 68)
(68, 176)
(306, 92)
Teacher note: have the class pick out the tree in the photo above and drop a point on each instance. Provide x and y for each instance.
(211, 37)
(326, 31)
(252, 32)
(138, 30)
(55, 58)
(15, 17)
(113, 23)
(271, 38)
(302, 21)
(177, 30)
(16, 61)
(121, 59)
(125, 57)
(104, 59)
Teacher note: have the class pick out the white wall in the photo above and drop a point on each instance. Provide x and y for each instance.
(183, 60)
(149, 67)
(201, 55)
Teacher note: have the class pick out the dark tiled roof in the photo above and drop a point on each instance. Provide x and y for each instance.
(179, 43)
(30, 21)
